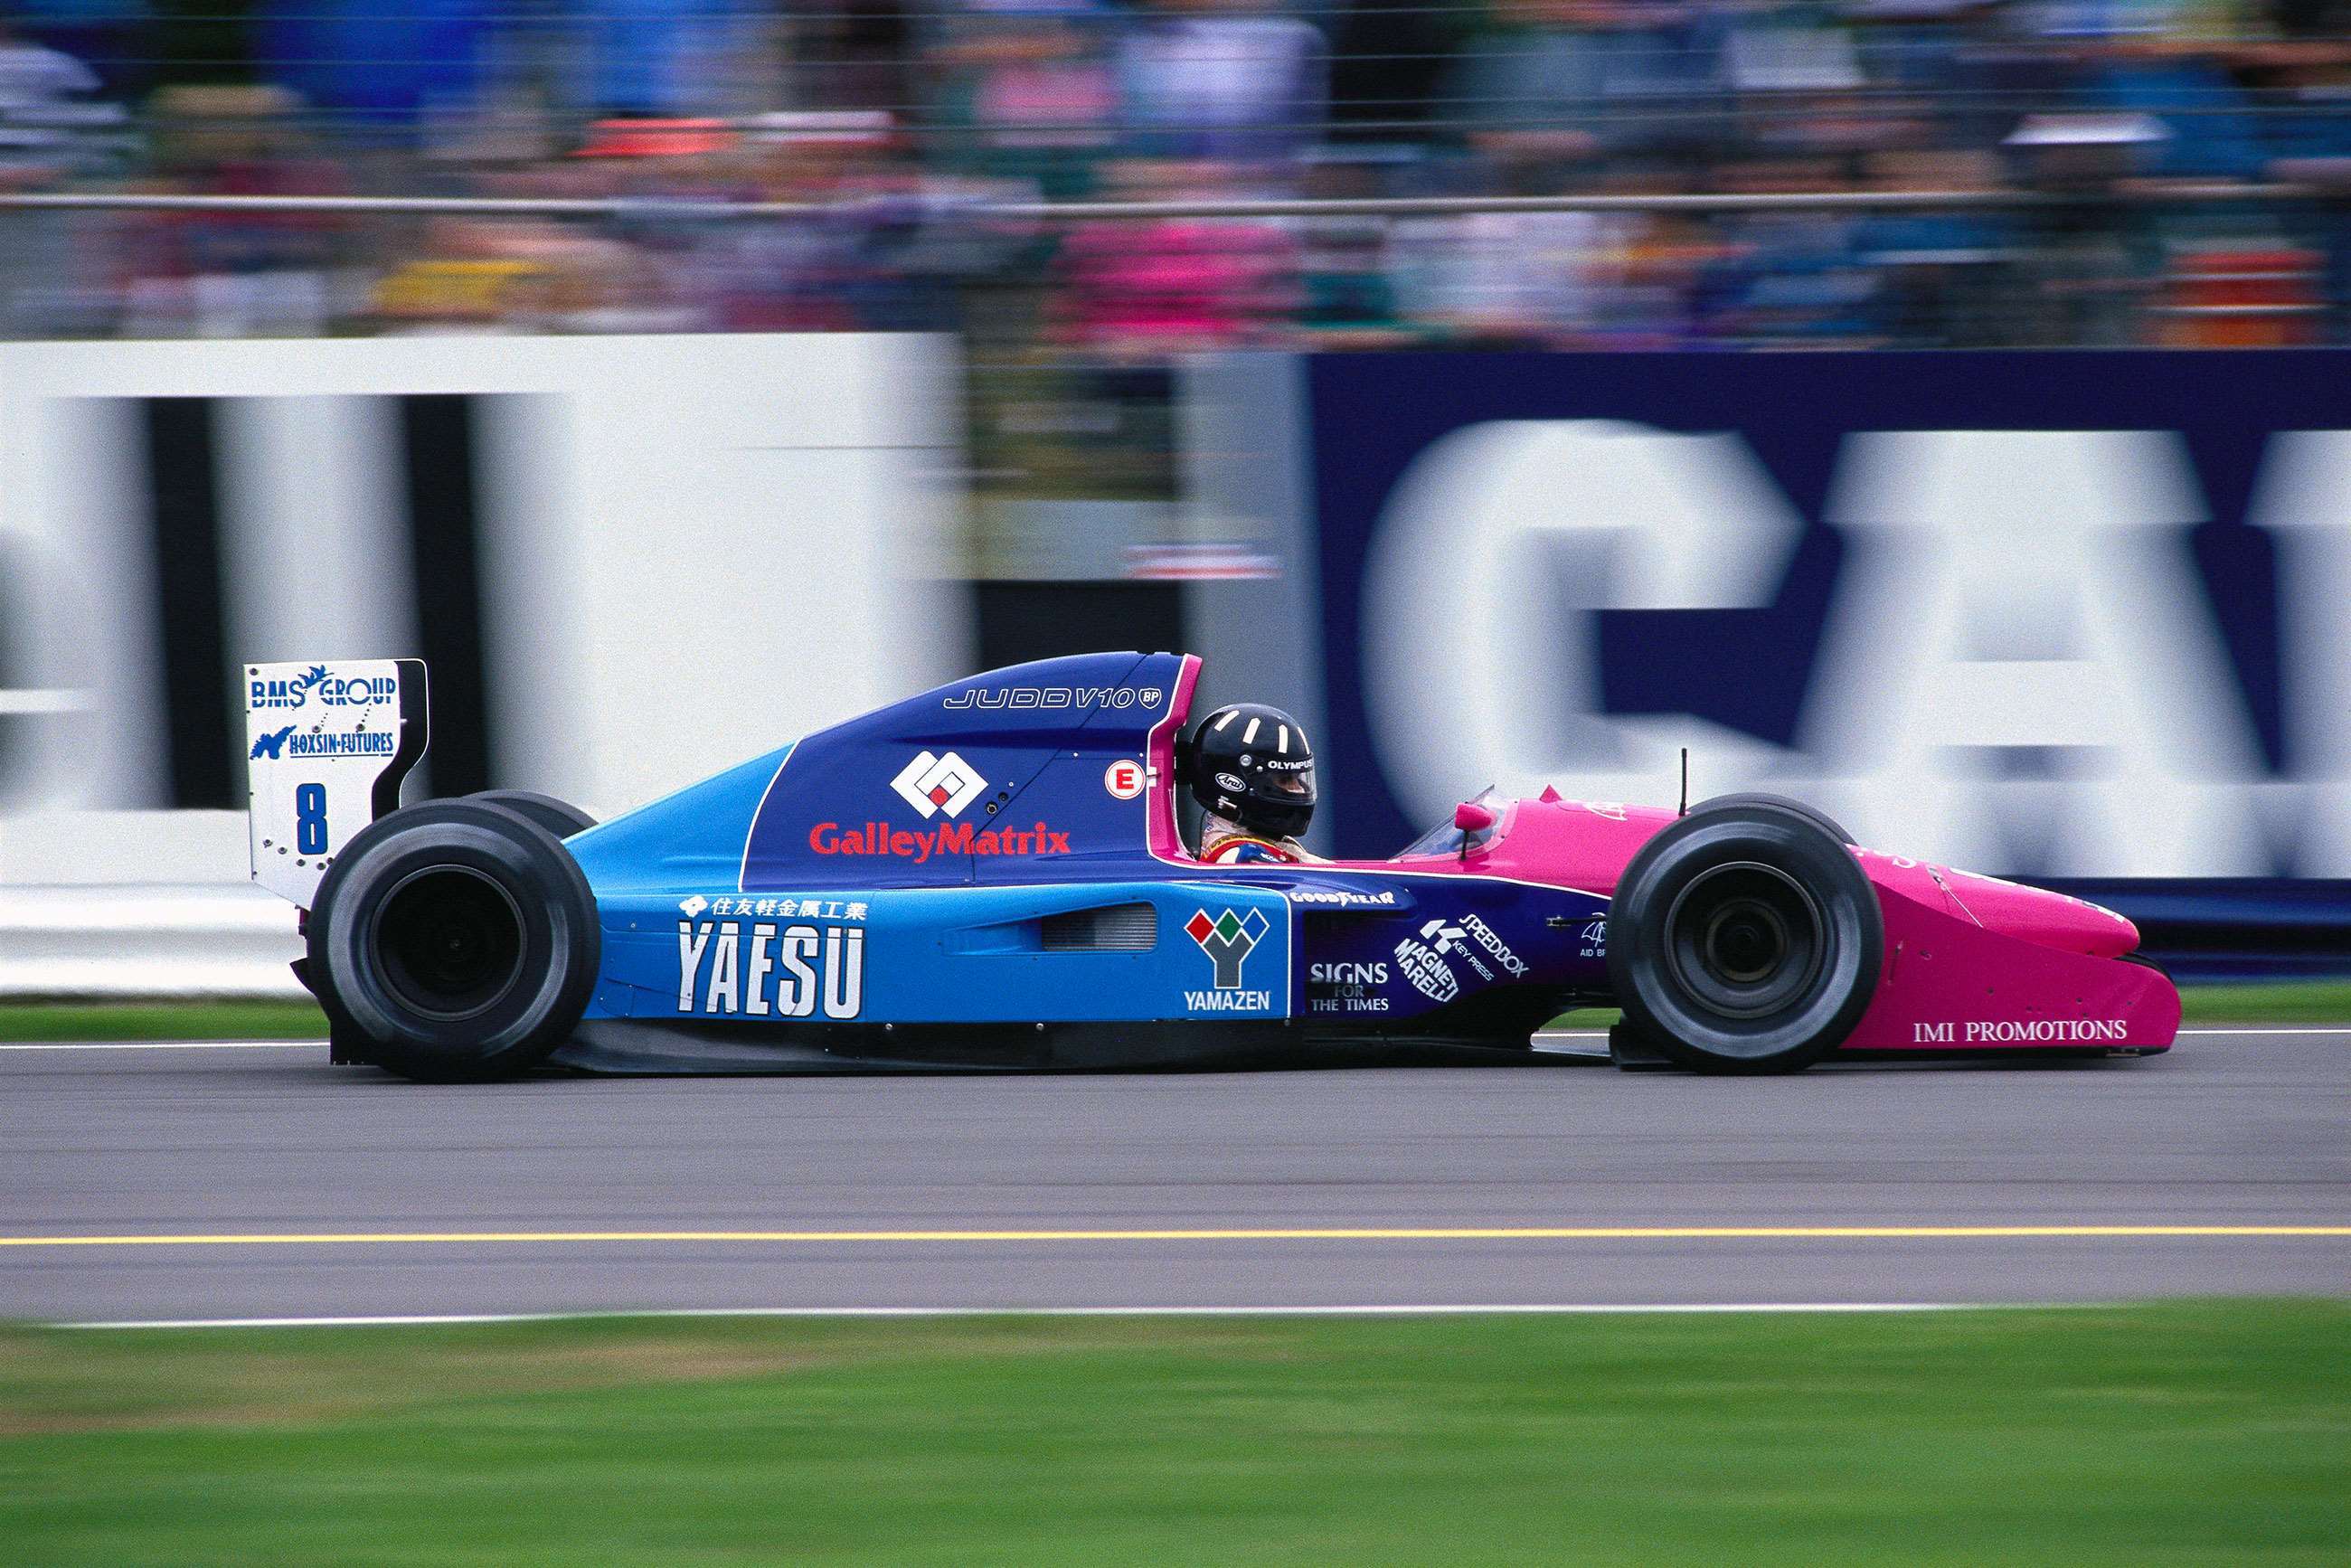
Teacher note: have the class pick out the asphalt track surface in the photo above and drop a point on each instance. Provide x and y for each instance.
(290, 1188)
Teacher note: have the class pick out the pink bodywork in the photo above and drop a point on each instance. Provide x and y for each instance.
(1972, 963)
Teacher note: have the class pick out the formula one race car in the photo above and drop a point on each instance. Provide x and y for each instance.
(991, 875)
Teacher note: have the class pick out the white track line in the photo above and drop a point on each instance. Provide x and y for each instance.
(166, 1045)
(1432, 1310)
(2258, 1029)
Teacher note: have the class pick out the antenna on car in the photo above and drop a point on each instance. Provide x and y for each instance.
(1685, 806)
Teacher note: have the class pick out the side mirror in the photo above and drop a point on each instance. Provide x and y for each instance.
(1471, 818)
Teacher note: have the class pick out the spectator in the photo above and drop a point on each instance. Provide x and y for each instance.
(46, 119)
(1591, 86)
(1029, 95)
(1146, 290)
(46, 105)
(1222, 81)
(233, 274)
(902, 122)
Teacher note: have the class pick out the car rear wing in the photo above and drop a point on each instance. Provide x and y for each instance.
(327, 745)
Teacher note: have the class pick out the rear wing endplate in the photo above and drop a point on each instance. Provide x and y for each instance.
(327, 745)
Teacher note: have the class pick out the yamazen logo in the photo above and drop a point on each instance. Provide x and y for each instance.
(1228, 940)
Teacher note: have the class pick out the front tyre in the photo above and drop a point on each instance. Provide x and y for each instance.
(454, 941)
(1813, 814)
(1745, 938)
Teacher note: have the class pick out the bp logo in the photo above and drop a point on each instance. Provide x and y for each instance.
(1229, 939)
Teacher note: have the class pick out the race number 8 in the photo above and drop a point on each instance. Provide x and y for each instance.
(310, 819)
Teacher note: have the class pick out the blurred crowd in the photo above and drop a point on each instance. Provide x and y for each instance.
(2145, 142)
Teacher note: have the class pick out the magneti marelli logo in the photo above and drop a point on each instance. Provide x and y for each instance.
(1228, 940)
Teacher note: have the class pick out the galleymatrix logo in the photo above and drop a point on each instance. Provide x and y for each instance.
(934, 784)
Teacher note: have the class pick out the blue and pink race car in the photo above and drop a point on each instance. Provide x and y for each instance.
(993, 876)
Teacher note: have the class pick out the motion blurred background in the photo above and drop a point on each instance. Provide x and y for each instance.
(679, 377)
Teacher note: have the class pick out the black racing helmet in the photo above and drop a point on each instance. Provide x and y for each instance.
(1250, 765)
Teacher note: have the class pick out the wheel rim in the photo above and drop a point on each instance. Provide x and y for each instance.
(1745, 940)
(449, 940)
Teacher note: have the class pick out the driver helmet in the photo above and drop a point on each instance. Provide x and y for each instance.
(1250, 765)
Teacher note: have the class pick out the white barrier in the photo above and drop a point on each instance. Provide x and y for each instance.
(686, 550)
(131, 942)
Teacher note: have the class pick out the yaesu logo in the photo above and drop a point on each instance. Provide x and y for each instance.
(770, 970)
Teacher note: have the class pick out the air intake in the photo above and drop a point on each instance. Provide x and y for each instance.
(1114, 929)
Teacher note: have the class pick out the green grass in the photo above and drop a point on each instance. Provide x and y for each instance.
(160, 1020)
(2306, 1001)
(2215, 1432)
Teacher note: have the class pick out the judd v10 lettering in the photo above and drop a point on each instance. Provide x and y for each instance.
(1047, 697)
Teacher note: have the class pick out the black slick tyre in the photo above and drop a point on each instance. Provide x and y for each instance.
(560, 818)
(1745, 938)
(1819, 818)
(454, 941)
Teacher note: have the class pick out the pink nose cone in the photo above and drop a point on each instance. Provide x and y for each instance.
(2037, 915)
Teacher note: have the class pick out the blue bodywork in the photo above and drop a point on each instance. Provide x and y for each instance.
(1002, 851)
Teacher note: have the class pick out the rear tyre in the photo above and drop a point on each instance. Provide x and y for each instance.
(1745, 938)
(1813, 814)
(559, 818)
(454, 941)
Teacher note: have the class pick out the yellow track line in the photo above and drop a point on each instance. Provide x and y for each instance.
(1330, 1233)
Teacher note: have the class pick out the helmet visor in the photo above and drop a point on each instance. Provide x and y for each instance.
(1281, 799)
